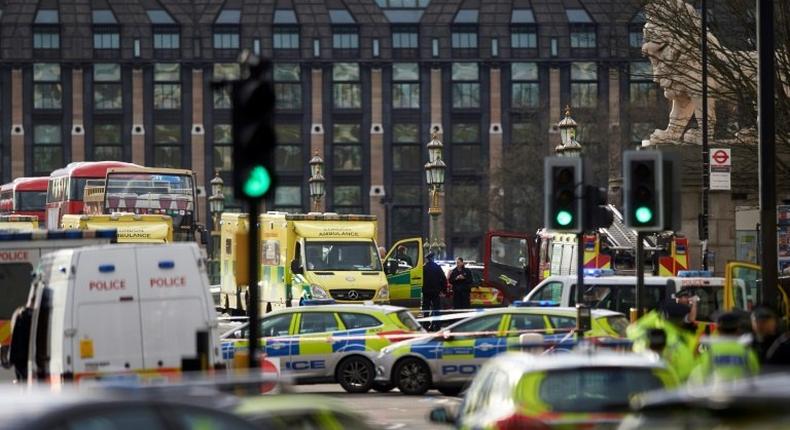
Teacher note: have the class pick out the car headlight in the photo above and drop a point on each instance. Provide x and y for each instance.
(317, 292)
(383, 293)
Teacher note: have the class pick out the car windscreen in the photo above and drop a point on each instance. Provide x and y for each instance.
(595, 389)
(342, 256)
(618, 298)
(15, 281)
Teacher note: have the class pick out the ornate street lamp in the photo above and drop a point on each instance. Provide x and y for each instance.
(317, 182)
(216, 205)
(434, 175)
(569, 146)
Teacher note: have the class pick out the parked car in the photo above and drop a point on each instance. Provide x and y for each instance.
(578, 389)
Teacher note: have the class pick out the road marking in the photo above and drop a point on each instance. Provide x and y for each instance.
(395, 426)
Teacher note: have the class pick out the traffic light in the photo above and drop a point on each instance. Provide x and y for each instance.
(644, 183)
(253, 135)
(562, 197)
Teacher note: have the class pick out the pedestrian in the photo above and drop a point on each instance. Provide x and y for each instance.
(729, 356)
(461, 280)
(771, 345)
(433, 282)
(20, 337)
(765, 329)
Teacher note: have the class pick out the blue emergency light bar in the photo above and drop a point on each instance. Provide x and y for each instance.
(316, 302)
(695, 274)
(534, 303)
(17, 235)
(596, 273)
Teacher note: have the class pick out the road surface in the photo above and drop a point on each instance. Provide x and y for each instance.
(390, 411)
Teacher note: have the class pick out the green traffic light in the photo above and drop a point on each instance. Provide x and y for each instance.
(564, 218)
(643, 214)
(258, 182)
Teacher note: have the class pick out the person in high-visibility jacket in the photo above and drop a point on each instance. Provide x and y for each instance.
(729, 355)
(679, 345)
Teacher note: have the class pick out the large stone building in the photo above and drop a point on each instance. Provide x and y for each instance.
(361, 82)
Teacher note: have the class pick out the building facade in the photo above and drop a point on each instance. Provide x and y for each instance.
(363, 83)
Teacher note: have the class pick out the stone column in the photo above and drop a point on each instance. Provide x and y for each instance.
(17, 127)
(199, 141)
(377, 190)
(138, 130)
(436, 126)
(77, 122)
(317, 127)
(495, 148)
(555, 108)
(615, 140)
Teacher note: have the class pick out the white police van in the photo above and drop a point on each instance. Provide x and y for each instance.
(604, 290)
(122, 311)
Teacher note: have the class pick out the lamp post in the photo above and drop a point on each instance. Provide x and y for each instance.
(434, 175)
(317, 181)
(569, 146)
(216, 205)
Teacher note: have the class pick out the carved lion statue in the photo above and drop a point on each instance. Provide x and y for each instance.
(676, 71)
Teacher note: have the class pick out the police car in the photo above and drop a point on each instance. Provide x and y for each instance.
(580, 389)
(327, 343)
(449, 358)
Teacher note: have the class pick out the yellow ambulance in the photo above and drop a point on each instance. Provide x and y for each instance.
(132, 228)
(304, 259)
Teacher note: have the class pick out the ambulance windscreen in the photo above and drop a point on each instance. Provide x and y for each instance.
(342, 256)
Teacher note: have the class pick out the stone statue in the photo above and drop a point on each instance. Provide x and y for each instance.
(682, 89)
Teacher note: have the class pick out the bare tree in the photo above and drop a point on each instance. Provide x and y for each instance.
(732, 59)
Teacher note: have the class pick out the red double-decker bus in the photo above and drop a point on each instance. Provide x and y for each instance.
(24, 196)
(67, 186)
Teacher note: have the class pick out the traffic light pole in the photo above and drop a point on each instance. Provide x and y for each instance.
(580, 274)
(767, 150)
(253, 305)
(639, 297)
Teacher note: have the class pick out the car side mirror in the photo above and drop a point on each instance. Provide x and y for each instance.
(442, 415)
(392, 266)
(237, 334)
(448, 336)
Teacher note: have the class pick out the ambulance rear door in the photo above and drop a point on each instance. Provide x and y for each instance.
(173, 304)
(106, 331)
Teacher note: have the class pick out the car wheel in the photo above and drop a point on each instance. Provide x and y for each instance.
(355, 374)
(413, 377)
(383, 387)
(452, 390)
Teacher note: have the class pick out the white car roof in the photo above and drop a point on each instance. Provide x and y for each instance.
(523, 362)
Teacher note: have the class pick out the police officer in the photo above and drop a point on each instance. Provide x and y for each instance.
(678, 343)
(728, 357)
(433, 282)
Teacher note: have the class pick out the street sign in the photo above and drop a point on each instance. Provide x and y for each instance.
(720, 169)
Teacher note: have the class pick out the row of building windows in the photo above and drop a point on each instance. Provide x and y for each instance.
(343, 38)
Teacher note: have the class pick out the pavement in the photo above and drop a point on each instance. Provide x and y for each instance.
(388, 411)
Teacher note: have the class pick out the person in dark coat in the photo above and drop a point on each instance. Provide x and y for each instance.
(461, 280)
(20, 338)
(765, 327)
(433, 282)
